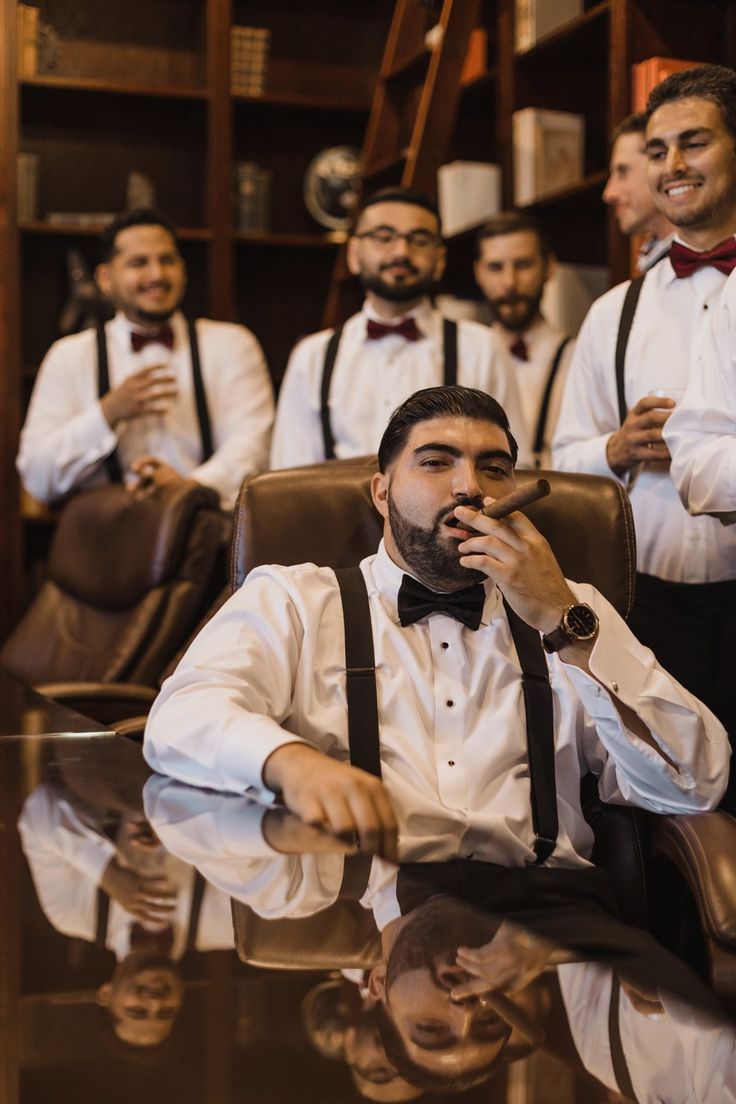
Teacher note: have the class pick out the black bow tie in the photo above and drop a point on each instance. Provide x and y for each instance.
(416, 601)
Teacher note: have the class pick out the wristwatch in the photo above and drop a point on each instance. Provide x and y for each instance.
(579, 622)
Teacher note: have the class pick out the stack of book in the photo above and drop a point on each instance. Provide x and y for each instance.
(27, 187)
(252, 198)
(249, 50)
(548, 153)
(28, 23)
(469, 192)
(646, 75)
(536, 18)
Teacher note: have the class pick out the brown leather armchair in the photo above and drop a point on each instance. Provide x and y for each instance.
(324, 514)
(128, 579)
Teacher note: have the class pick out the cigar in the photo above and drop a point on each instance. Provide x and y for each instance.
(517, 499)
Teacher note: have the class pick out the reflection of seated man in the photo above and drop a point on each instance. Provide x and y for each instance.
(258, 702)
(127, 894)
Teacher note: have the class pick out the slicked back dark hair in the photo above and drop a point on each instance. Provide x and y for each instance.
(510, 222)
(397, 194)
(139, 216)
(716, 83)
(440, 402)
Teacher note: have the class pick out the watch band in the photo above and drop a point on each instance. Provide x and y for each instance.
(566, 633)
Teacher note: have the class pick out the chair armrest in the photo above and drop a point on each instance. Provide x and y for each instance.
(132, 728)
(703, 848)
(106, 702)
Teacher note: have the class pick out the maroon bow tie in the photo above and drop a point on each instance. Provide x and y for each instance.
(164, 335)
(407, 329)
(686, 261)
(519, 349)
(160, 942)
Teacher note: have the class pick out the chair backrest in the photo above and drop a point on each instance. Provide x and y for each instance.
(323, 514)
(127, 580)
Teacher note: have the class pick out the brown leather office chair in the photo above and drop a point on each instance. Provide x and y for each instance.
(128, 579)
(324, 514)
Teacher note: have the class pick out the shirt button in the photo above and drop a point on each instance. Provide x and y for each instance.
(705, 306)
(614, 687)
(451, 762)
(444, 645)
(449, 703)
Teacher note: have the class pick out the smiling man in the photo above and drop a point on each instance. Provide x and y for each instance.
(258, 703)
(150, 398)
(621, 391)
(341, 385)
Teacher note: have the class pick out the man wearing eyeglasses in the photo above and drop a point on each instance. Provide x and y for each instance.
(342, 385)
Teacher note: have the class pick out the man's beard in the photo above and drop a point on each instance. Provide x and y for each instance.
(432, 934)
(398, 293)
(156, 317)
(517, 323)
(432, 558)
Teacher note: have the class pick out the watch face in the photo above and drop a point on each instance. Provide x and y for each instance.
(581, 622)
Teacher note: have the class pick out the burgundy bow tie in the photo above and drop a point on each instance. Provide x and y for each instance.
(686, 261)
(407, 329)
(164, 335)
(161, 941)
(519, 349)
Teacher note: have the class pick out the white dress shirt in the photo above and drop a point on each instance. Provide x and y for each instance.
(68, 856)
(268, 669)
(651, 250)
(372, 378)
(701, 433)
(681, 1055)
(66, 436)
(542, 342)
(671, 317)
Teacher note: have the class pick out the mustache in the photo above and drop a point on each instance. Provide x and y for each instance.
(512, 300)
(475, 501)
(404, 266)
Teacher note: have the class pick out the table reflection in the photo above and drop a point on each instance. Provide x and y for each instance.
(361, 980)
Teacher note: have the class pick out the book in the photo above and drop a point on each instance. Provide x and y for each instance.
(548, 152)
(249, 53)
(28, 25)
(476, 57)
(27, 187)
(646, 75)
(569, 293)
(533, 19)
(468, 192)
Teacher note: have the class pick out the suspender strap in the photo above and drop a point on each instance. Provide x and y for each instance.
(327, 370)
(449, 348)
(618, 1058)
(195, 910)
(539, 709)
(544, 407)
(111, 462)
(203, 414)
(624, 329)
(103, 912)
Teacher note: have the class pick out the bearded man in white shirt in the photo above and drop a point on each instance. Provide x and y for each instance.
(513, 264)
(620, 393)
(150, 398)
(341, 385)
(258, 703)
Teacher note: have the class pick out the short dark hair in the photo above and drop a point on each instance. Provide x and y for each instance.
(716, 83)
(510, 222)
(398, 194)
(440, 402)
(139, 216)
(632, 124)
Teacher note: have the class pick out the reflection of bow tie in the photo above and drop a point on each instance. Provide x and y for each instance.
(519, 349)
(416, 601)
(407, 328)
(164, 335)
(141, 939)
(686, 261)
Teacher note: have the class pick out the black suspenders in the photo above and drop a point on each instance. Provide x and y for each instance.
(449, 342)
(364, 733)
(628, 311)
(546, 397)
(112, 463)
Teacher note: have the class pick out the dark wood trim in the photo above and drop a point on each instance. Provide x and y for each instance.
(219, 159)
(619, 106)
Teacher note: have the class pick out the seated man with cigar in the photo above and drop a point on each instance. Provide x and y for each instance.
(457, 603)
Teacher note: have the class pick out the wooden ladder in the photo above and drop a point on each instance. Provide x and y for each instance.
(412, 115)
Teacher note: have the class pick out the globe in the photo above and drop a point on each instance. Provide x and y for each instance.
(332, 186)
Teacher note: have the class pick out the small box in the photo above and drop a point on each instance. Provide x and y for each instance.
(469, 192)
(536, 18)
(548, 152)
(249, 53)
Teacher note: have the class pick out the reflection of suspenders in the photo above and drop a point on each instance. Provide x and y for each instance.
(363, 727)
(103, 914)
(628, 311)
(112, 462)
(618, 1058)
(449, 343)
(546, 397)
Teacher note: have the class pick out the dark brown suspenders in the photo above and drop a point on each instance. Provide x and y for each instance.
(628, 311)
(546, 397)
(449, 342)
(112, 462)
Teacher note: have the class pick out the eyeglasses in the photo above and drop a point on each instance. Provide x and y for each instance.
(385, 236)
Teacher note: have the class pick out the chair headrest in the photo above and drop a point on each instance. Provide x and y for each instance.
(110, 548)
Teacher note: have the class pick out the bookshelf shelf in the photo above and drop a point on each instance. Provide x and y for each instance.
(113, 88)
(72, 230)
(295, 241)
(299, 100)
(562, 36)
(585, 187)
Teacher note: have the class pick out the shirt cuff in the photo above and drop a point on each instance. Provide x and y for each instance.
(93, 857)
(242, 757)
